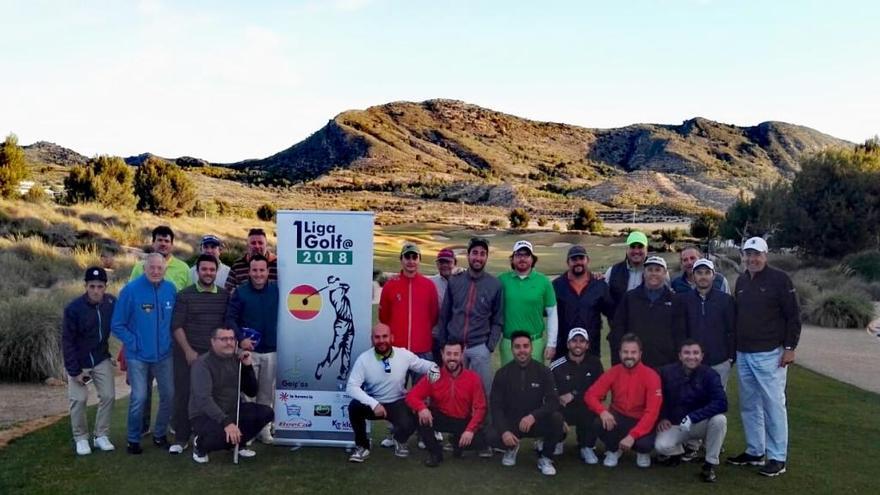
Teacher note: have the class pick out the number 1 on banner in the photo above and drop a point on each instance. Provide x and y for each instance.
(318, 257)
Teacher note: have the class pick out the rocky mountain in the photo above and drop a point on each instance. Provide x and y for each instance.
(46, 153)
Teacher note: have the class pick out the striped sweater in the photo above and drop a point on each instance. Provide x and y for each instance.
(238, 272)
(197, 313)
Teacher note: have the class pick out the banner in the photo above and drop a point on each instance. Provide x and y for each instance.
(325, 275)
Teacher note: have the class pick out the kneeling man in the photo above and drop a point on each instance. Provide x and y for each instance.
(694, 404)
(215, 397)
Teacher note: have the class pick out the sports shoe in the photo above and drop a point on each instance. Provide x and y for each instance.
(559, 449)
(486, 453)
(509, 458)
(400, 449)
(539, 445)
(746, 459)
(246, 453)
(422, 445)
(589, 455)
(690, 454)
(772, 468)
(160, 442)
(387, 442)
(670, 461)
(434, 460)
(82, 447)
(198, 456)
(438, 436)
(545, 465)
(176, 449)
(103, 444)
(611, 458)
(708, 473)
(359, 455)
(134, 448)
(643, 460)
(265, 435)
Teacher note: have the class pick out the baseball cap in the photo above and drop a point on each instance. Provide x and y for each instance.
(636, 237)
(574, 332)
(756, 244)
(211, 239)
(655, 260)
(446, 254)
(576, 250)
(96, 273)
(478, 241)
(705, 263)
(523, 245)
(409, 247)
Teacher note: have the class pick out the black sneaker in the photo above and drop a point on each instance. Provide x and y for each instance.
(773, 468)
(708, 473)
(134, 448)
(160, 442)
(746, 459)
(690, 454)
(670, 461)
(434, 460)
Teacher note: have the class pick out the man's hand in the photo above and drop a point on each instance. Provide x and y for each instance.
(509, 439)
(627, 443)
(426, 418)
(526, 423)
(80, 378)
(465, 439)
(685, 424)
(549, 353)
(191, 356)
(608, 421)
(597, 276)
(787, 358)
(246, 358)
(233, 434)
(247, 344)
(379, 411)
(664, 425)
(566, 399)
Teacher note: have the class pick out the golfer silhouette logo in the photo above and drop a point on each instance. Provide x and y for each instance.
(343, 331)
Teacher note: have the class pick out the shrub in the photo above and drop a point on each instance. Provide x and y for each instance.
(706, 225)
(163, 188)
(784, 261)
(13, 167)
(35, 194)
(806, 293)
(104, 179)
(542, 222)
(841, 309)
(587, 219)
(865, 264)
(266, 212)
(496, 222)
(519, 218)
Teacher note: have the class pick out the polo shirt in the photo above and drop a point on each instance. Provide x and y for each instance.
(524, 301)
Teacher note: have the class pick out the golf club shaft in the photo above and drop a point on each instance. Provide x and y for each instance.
(237, 412)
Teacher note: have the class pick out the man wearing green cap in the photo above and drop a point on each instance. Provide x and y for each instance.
(627, 275)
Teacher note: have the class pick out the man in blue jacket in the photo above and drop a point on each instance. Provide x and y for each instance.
(689, 255)
(84, 337)
(253, 315)
(142, 321)
(694, 404)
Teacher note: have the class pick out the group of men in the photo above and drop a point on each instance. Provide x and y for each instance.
(180, 326)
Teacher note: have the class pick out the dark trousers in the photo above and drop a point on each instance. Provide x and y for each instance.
(549, 429)
(578, 415)
(612, 438)
(180, 416)
(252, 418)
(400, 416)
(455, 427)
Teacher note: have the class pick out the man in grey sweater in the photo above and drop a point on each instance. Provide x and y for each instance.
(214, 397)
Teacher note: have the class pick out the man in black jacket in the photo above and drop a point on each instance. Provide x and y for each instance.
(627, 275)
(215, 395)
(574, 373)
(694, 404)
(581, 300)
(524, 403)
(648, 311)
(84, 337)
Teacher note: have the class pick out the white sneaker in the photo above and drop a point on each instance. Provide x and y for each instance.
(387, 442)
(103, 444)
(611, 458)
(438, 435)
(559, 449)
(246, 453)
(201, 459)
(509, 458)
(359, 455)
(422, 445)
(539, 445)
(643, 460)
(176, 449)
(82, 447)
(589, 455)
(545, 465)
(265, 435)
(400, 449)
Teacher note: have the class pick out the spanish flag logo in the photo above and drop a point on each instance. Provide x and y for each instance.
(304, 302)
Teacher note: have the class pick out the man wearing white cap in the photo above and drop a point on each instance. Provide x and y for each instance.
(212, 245)
(574, 373)
(528, 296)
(768, 327)
(648, 311)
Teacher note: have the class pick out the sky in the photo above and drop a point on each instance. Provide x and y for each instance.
(227, 81)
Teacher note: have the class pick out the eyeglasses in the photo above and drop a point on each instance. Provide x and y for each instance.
(387, 364)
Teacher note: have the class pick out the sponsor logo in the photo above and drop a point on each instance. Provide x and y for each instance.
(301, 396)
(293, 410)
(314, 235)
(323, 410)
(341, 425)
(295, 424)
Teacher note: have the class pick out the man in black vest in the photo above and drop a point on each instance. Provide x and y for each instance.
(581, 300)
(627, 275)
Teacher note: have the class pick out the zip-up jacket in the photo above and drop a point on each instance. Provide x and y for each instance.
(582, 310)
(257, 309)
(409, 306)
(214, 389)
(473, 310)
(680, 284)
(576, 378)
(635, 393)
(85, 333)
(709, 321)
(622, 279)
(176, 272)
(240, 270)
(459, 397)
(142, 319)
(767, 312)
(518, 391)
(697, 394)
(652, 321)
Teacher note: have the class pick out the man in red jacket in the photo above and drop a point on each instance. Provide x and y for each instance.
(457, 406)
(636, 397)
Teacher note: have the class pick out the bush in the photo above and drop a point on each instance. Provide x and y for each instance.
(13, 167)
(706, 225)
(542, 222)
(841, 309)
(865, 264)
(35, 194)
(587, 219)
(266, 212)
(806, 294)
(30, 338)
(104, 179)
(163, 188)
(519, 218)
(784, 261)
(496, 222)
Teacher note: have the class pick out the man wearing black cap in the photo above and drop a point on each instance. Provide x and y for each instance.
(473, 312)
(212, 245)
(85, 335)
(581, 300)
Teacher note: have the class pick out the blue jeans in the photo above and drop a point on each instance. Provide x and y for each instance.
(138, 372)
(762, 403)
